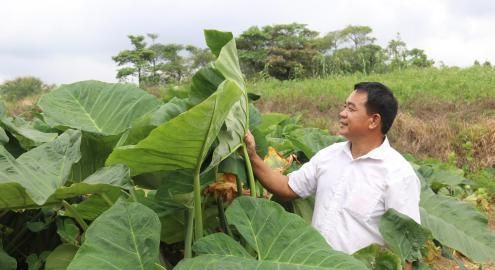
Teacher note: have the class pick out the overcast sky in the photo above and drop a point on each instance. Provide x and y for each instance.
(73, 40)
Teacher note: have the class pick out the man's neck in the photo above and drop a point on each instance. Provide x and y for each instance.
(361, 147)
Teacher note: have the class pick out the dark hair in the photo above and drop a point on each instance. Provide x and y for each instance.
(381, 100)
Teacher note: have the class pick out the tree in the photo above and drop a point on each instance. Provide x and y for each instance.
(397, 53)
(198, 58)
(342, 61)
(418, 58)
(253, 45)
(139, 59)
(357, 35)
(22, 87)
(172, 66)
(328, 44)
(284, 51)
(350, 50)
(371, 58)
(290, 36)
(158, 63)
(400, 57)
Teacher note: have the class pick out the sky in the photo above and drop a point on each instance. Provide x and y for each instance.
(73, 40)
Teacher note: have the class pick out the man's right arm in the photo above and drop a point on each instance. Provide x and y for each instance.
(273, 181)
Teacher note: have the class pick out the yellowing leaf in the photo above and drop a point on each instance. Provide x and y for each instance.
(225, 186)
(277, 161)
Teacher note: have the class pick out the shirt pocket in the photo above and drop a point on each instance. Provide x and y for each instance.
(361, 201)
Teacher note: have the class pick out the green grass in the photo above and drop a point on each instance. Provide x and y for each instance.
(446, 84)
(445, 109)
(484, 179)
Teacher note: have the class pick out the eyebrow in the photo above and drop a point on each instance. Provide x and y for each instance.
(348, 103)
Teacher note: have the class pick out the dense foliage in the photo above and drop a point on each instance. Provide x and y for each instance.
(282, 51)
(110, 177)
(159, 64)
(22, 87)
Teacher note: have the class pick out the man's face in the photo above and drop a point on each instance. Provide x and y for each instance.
(353, 119)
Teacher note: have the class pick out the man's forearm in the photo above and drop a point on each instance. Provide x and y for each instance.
(273, 181)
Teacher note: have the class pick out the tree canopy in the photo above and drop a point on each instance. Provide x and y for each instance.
(282, 51)
(158, 64)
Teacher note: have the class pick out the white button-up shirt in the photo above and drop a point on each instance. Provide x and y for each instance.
(353, 194)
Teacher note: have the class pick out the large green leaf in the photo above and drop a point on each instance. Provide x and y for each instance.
(312, 140)
(179, 182)
(141, 127)
(261, 142)
(6, 261)
(27, 136)
(231, 136)
(60, 257)
(204, 83)
(447, 180)
(403, 235)
(234, 164)
(226, 66)
(94, 204)
(162, 207)
(94, 152)
(280, 240)
(35, 261)
(304, 208)
(96, 107)
(254, 117)
(127, 236)
(269, 120)
(216, 40)
(4, 138)
(106, 179)
(39, 172)
(68, 230)
(173, 225)
(377, 257)
(183, 142)
(458, 225)
(227, 62)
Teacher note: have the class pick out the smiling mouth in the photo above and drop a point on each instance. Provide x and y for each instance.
(342, 124)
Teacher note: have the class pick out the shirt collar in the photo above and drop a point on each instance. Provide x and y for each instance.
(378, 153)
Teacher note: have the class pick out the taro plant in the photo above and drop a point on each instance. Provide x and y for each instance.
(277, 240)
(217, 124)
(110, 177)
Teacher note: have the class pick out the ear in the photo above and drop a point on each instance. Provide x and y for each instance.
(375, 121)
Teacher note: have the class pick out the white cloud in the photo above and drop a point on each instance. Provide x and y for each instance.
(64, 41)
(60, 68)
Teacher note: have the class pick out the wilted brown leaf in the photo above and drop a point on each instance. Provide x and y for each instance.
(277, 161)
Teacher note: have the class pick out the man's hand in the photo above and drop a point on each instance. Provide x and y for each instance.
(273, 181)
(250, 144)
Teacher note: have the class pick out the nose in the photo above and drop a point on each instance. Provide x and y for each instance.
(342, 113)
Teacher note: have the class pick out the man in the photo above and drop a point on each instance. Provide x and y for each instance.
(356, 181)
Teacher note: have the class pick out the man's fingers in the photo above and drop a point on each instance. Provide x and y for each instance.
(248, 137)
(250, 143)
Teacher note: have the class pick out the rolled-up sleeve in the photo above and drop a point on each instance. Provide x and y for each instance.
(403, 195)
(303, 181)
